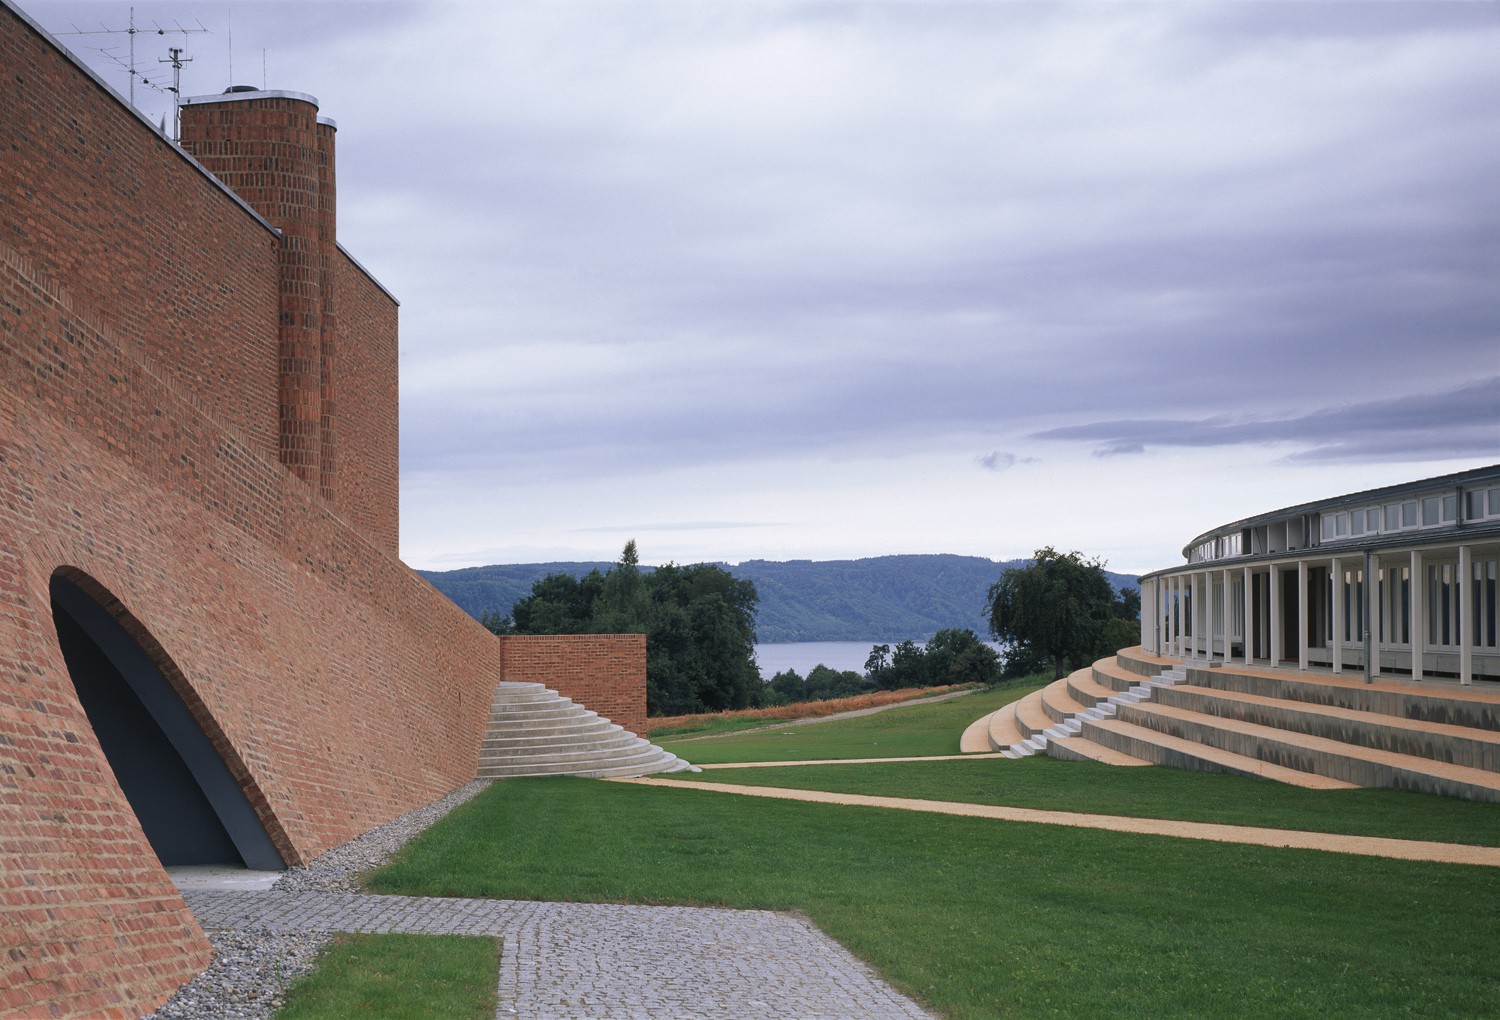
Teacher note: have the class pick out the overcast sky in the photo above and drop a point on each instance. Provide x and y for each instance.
(827, 280)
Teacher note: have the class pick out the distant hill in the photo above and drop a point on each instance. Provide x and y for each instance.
(883, 598)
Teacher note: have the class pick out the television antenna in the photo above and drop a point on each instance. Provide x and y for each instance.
(131, 31)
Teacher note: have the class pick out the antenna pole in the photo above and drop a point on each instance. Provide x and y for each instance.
(176, 60)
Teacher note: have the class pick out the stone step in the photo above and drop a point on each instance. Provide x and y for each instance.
(976, 737)
(616, 755)
(1159, 748)
(1475, 707)
(563, 728)
(1031, 717)
(533, 730)
(1004, 730)
(668, 763)
(1460, 745)
(594, 744)
(1084, 749)
(1351, 763)
(1059, 703)
(1086, 690)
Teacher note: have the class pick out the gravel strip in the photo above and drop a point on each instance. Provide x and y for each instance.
(251, 970)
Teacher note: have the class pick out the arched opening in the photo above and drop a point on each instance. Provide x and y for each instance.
(189, 805)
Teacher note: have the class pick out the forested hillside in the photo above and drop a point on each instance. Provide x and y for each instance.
(884, 598)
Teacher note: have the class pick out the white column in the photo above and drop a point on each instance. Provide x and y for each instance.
(1304, 603)
(1147, 594)
(1465, 616)
(1418, 619)
(1336, 592)
(1228, 616)
(1274, 612)
(1197, 599)
(1247, 606)
(1373, 620)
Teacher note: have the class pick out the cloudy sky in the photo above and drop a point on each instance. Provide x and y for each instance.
(824, 280)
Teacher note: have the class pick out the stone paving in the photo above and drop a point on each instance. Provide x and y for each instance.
(601, 961)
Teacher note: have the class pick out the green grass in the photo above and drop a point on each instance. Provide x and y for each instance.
(399, 977)
(1143, 792)
(893, 733)
(992, 919)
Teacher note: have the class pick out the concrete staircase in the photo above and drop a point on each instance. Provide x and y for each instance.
(534, 731)
(1313, 730)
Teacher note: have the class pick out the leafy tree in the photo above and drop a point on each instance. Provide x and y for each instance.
(496, 623)
(699, 623)
(953, 655)
(788, 687)
(1055, 607)
(957, 656)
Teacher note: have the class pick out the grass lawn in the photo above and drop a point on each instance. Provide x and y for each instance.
(1143, 792)
(893, 733)
(399, 977)
(990, 919)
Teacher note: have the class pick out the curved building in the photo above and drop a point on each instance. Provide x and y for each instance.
(1398, 581)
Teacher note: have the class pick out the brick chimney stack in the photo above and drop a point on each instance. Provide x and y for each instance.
(273, 150)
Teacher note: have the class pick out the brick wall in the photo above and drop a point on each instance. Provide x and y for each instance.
(343, 688)
(114, 213)
(606, 672)
(367, 406)
(140, 456)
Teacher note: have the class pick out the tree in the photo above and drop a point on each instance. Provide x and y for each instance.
(699, 623)
(955, 655)
(496, 623)
(1056, 607)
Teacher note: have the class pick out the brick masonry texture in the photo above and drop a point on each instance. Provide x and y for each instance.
(605, 672)
(144, 456)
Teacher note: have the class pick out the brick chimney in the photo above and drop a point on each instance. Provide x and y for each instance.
(277, 154)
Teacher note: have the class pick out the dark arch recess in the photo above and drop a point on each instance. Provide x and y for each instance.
(159, 738)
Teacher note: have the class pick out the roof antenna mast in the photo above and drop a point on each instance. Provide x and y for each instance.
(132, 30)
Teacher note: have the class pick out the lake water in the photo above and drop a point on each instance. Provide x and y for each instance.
(804, 655)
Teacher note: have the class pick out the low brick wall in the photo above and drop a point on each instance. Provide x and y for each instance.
(605, 672)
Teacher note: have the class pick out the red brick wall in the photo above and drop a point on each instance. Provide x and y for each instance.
(114, 213)
(139, 456)
(346, 690)
(367, 406)
(269, 151)
(606, 672)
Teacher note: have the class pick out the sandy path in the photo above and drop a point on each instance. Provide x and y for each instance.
(1368, 846)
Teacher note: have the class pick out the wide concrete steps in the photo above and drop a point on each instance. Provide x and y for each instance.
(1350, 762)
(1153, 747)
(534, 731)
(1057, 712)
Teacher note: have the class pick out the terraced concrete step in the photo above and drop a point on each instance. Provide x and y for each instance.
(1084, 749)
(532, 730)
(1429, 702)
(562, 728)
(1059, 703)
(1460, 745)
(1164, 749)
(1359, 766)
(976, 737)
(1083, 688)
(1004, 730)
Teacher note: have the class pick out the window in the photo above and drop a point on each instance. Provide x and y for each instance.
(1430, 511)
(1393, 517)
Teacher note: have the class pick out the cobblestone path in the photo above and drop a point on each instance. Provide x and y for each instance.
(587, 961)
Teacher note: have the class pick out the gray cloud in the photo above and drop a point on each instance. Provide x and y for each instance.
(1463, 422)
(714, 240)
